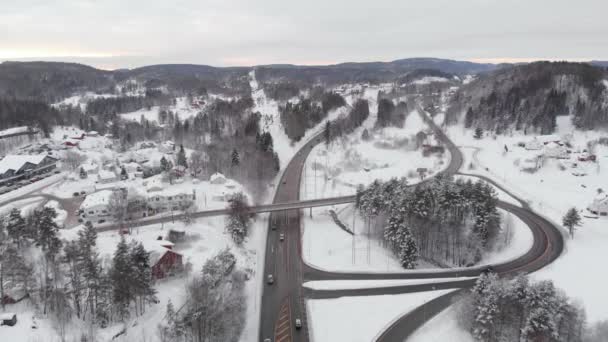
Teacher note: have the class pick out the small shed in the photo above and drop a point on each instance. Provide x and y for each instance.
(9, 319)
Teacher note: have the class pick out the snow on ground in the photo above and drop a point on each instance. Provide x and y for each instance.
(365, 284)
(62, 215)
(81, 99)
(349, 162)
(182, 108)
(551, 191)
(516, 240)
(429, 80)
(443, 327)
(25, 205)
(271, 122)
(326, 246)
(360, 318)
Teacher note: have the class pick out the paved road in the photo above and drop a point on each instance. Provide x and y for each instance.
(283, 301)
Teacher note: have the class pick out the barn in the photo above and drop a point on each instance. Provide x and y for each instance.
(164, 260)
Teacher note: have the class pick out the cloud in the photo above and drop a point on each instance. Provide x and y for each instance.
(220, 32)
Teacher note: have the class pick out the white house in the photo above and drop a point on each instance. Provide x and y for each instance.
(96, 207)
(217, 178)
(554, 150)
(170, 200)
(167, 147)
(105, 176)
(534, 144)
(599, 206)
(90, 167)
(92, 134)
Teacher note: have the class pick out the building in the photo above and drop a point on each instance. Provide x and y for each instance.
(533, 145)
(167, 200)
(554, 150)
(92, 134)
(164, 260)
(217, 178)
(15, 167)
(599, 206)
(105, 176)
(9, 319)
(96, 207)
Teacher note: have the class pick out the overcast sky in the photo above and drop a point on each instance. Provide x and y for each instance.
(127, 33)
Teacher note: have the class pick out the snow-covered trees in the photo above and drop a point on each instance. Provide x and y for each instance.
(131, 279)
(237, 222)
(571, 220)
(517, 310)
(216, 308)
(446, 221)
(83, 173)
(181, 157)
(16, 228)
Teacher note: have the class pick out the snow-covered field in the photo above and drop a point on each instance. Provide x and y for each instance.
(356, 319)
(551, 191)
(366, 284)
(443, 327)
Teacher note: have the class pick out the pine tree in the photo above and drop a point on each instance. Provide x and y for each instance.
(181, 157)
(237, 223)
(83, 173)
(15, 226)
(408, 250)
(47, 231)
(121, 277)
(142, 276)
(123, 173)
(327, 133)
(478, 133)
(571, 220)
(236, 159)
(469, 118)
(164, 164)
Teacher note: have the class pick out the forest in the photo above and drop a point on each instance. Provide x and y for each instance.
(446, 222)
(498, 309)
(529, 97)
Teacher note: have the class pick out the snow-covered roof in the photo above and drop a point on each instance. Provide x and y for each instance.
(217, 178)
(16, 161)
(14, 130)
(154, 184)
(105, 174)
(548, 138)
(553, 145)
(7, 316)
(97, 198)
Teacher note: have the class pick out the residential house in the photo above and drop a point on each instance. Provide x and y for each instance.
(170, 200)
(92, 134)
(96, 207)
(105, 177)
(555, 150)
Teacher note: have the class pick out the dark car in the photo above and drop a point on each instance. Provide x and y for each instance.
(270, 279)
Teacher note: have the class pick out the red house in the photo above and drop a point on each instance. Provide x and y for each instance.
(71, 143)
(164, 259)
